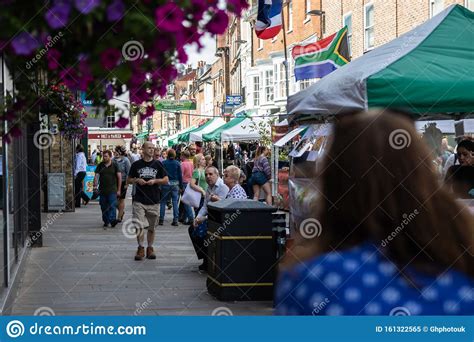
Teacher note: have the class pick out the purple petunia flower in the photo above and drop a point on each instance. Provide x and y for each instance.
(122, 122)
(169, 17)
(109, 91)
(24, 44)
(218, 23)
(58, 15)
(115, 10)
(86, 6)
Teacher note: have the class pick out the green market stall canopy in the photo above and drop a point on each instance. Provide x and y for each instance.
(196, 133)
(173, 139)
(425, 71)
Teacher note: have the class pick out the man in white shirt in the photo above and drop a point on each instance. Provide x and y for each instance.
(80, 165)
(216, 190)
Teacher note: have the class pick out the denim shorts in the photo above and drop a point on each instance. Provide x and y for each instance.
(258, 178)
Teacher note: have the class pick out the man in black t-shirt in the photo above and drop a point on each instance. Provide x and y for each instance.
(147, 174)
(109, 179)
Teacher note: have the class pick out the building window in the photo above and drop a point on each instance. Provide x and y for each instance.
(306, 83)
(280, 80)
(347, 21)
(369, 27)
(307, 8)
(256, 91)
(110, 121)
(268, 85)
(469, 4)
(290, 15)
(436, 6)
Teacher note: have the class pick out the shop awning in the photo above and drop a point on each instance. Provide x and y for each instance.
(291, 135)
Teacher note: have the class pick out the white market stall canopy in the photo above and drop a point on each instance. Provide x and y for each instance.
(197, 135)
(243, 131)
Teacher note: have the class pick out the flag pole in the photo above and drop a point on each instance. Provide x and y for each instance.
(286, 52)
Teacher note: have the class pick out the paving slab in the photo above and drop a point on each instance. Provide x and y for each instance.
(86, 270)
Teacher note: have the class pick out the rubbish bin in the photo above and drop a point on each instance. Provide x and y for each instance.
(241, 250)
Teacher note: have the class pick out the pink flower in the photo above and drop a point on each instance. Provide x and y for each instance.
(122, 122)
(15, 132)
(169, 17)
(109, 58)
(182, 55)
(69, 77)
(53, 58)
(218, 23)
(237, 6)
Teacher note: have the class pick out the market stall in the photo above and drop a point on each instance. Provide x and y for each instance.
(173, 139)
(196, 133)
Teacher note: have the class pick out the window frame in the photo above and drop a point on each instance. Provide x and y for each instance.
(270, 93)
(307, 7)
(349, 32)
(366, 28)
(466, 4)
(290, 16)
(256, 99)
(431, 2)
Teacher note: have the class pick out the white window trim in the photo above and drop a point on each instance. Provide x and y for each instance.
(365, 26)
(343, 24)
(307, 17)
(263, 78)
(466, 4)
(433, 1)
(260, 47)
(290, 17)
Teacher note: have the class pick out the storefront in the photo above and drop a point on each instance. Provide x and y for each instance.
(107, 139)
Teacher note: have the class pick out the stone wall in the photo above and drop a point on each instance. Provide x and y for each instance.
(58, 158)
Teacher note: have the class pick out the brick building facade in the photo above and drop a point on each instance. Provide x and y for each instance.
(375, 22)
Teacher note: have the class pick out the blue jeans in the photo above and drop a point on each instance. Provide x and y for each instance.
(166, 192)
(188, 210)
(108, 205)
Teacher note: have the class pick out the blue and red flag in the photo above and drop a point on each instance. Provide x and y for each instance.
(269, 18)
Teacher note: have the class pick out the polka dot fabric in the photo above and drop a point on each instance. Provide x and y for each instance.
(361, 281)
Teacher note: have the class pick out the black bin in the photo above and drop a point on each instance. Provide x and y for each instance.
(241, 251)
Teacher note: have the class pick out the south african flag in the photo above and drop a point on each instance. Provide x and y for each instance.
(318, 59)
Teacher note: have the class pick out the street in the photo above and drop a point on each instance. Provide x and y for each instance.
(83, 269)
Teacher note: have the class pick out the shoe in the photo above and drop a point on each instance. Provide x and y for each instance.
(86, 202)
(114, 223)
(105, 225)
(150, 253)
(175, 223)
(203, 266)
(160, 222)
(140, 253)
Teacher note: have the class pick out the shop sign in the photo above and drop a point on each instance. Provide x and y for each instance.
(233, 100)
(175, 105)
(110, 136)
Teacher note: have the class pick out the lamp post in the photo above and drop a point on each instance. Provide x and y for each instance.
(322, 20)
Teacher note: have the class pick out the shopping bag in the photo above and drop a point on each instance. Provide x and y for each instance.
(191, 197)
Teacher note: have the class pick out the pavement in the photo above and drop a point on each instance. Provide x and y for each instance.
(83, 269)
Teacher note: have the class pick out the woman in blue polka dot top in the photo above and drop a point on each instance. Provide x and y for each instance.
(389, 240)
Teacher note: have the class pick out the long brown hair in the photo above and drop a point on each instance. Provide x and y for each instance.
(378, 180)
